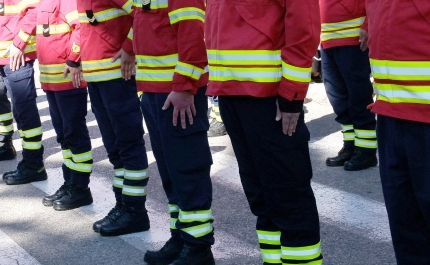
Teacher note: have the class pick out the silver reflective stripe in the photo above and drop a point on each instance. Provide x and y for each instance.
(251, 57)
(245, 74)
(154, 75)
(104, 15)
(347, 127)
(365, 143)
(173, 208)
(119, 172)
(133, 191)
(340, 34)
(186, 14)
(269, 237)
(157, 61)
(32, 132)
(365, 133)
(342, 25)
(200, 230)
(66, 153)
(136, 174)
(118, 182)
(83, 157)
(196, 216)
(5, 129)
(6, 116)
(401, 71)
(404, 94)
(31, 145)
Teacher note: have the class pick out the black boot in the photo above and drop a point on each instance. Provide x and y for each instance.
(361, 160)
(20, 165)
(48, 200)
(167, 254)
(344, 155)
(75, 197)
(26, 174)
(130, 220)
(195, 255)
(112, 216)
(7, 151)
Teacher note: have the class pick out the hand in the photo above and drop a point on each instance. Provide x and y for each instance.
(289, 120)
(363, 39)
(76, 74)
(16, 57)
(183, 104)
(127, 64)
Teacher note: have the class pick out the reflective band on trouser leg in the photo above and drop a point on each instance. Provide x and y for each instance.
(32, 139)
(79, 167)
(199, 223)
(366, 139)
(118, 180)
(348, 132)
(134, 183)
(79, 162)
(6, 123)
(270, 245)
(174, 213)
(310, 255)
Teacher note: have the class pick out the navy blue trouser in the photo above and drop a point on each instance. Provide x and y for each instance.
(183, 158)
(346, 72)
(6, 118)
(116, 106)
(20, 84)
(275, 169)
(404, 164)
(68, 110)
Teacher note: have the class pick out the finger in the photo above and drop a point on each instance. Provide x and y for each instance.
(175, 117)
(166, 104)
(190, 116)
(292, 126)
(193, 109)
(22, 60)
(183, 120)
(285, 124)
(65, 72)
(13, 65)
(117, 55)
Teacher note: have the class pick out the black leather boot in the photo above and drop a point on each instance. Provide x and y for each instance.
(130, 220)
(195, 255)
(48, 200)
(20, 165)
(75, 197)
(361, 160)
(25, 174)
(167, 254)
(344, 155)
(113, 215)
(7, 151)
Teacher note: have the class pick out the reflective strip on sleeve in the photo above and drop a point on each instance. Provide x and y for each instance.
(130, 34)
(128, 6)
(199, 230)
(103, 16)
(269, 237)
(295, 73)
(17, 9)
(30, 47)
(66, 153)
(82, 157)
(23, 35)
(365, 133)
(76, 48)
(31, 145)
(6, 116)
(32, 132)
(366, 143)
(71, 16)
(173, 208)
(136, 174)
(301, 253)
(133, 190)
(195, 216)
(189, 70)
(187, 13)
(244, 57)
(6, 128)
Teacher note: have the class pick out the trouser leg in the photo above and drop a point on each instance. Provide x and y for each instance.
(6, 118)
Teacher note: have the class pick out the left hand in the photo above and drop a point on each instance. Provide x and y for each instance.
(289, 120)
(183, 106)
(363, 39)
(128, 64)
(16, 57)
(75, 73)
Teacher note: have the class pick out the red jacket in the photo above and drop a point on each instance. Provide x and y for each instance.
(341, 22)
(57, 36)
(103, 37)
(399, 38)
(261, 48)
(169, 45)
(17, 26)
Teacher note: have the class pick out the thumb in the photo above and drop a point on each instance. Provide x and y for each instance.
(278, 113)
(65, 72)
(166, 104)
(116, 57)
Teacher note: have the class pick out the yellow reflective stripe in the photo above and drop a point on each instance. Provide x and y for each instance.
(104, 15)
(173, 208)
(301, 253)
(71, 16)
(269, 237)
(32, 132)
(102, 75)
(24, 35)
(347, 127)
(365, 143)
(6, 128)
(353, 23)
(128, 6)
(31, 145)
(136, 174)
(66, 153)
(130, 34)
(348, 136)
(6, 116)
(271, 256)
(54, 78)
(173, 223)
(54, 29)
(76, 48)
(82, 157)
(403, 94)
(157, 4)
(118, 182)
(119, 172)
(199, 230)
(365, 133)
(163, 75)
(52, 68)
(80, 167)
(244, 57)
(295, 73)
(94, 65)
(401, 70)
(195, 216)
(342, 34)
(257, 74)
(17, 9)
(133, 190)
(189, 70)
(30, 47)
(157, 61)
(187, 13)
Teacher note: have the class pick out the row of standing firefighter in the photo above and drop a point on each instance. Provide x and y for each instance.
(176, 52)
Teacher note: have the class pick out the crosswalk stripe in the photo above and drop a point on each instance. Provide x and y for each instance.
(11, 253)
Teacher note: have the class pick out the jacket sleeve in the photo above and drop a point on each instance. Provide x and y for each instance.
(187, 20)
(127, 6)
(69, 11)
(28, 23)
(302, 36)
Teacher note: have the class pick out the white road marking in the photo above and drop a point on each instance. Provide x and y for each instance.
(12, 254)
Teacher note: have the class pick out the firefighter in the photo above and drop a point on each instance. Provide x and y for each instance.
(346, 68)
(261, 85)
(399, 35)
(17, 55)
(107, 62)
(57, 38)
(171, 61)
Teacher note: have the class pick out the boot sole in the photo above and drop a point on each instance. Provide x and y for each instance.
(123, 231)
(154, 261)
(41, 177)
(48, 203)
(329, 164)
(10, 157)
(72, 206)
(347, 168)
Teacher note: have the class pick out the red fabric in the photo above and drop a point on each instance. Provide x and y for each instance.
(333, 11)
